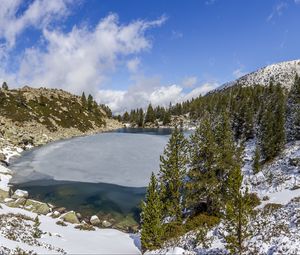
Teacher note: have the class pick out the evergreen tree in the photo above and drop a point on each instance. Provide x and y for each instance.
(83, 100)
(226, 151)
(167, 118)
(238, 211)
(202, 185)
(293, 111)
(90, 102)
(256, 161)
(172, 173)
(4, 86)
(151, 218)
(140, 118)
(272, 132)
(126, 117)
(150, 115)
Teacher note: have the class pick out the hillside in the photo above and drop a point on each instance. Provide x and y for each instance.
(283, 73)
(30, 116)
(239, 173)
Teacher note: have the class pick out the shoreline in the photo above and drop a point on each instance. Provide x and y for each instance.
(11, 152)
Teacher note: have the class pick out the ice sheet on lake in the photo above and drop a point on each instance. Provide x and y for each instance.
(117, 158)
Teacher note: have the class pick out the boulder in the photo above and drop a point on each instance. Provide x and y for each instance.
(55, 214)
(20, 193)
(2, 157)
(94, 220)
(106, 224)
(61, 210)
(20, 202)
(70, 217)
(37, 207)
(3, 194)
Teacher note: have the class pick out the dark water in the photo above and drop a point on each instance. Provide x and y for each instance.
(88, 198)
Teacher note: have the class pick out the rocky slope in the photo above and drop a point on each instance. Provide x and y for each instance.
(32, 117)
(283, 73)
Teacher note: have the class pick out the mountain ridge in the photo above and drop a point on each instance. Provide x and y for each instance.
(281, 72)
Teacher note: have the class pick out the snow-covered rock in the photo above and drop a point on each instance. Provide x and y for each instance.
(20, 193)
(283, 73)
(94, 220)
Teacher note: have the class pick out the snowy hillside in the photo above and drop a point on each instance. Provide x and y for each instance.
(275, 226)
(283, 73)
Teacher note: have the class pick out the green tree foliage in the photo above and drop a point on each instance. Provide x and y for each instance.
(166, 118)
(272, 132)
(150, 115)
(126, 117)
(256, 161)
(151, 218)
(90, 102)
(172, 173)
(83, 100)
(293, 111)
(238, 211)
(140, 118)
(227, 152)
(4, 86)
(202, 185)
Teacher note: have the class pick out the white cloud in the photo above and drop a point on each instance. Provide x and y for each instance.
(140, 96)
(133, 64)
(202, 90)
(277, 10)
(39, 14)
(189, 82)
(176, 34)
(83, 58)
(237, 73)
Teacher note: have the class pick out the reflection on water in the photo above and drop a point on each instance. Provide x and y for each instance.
(88, 198)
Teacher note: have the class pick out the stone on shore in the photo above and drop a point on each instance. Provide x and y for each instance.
(95, 220)
(20, 193)
(37, 207)
(70, 217)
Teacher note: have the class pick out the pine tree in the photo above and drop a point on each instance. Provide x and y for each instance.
(202, 185)
(140, 118)
(90, 102)
(167, 118)
(126, 117)
(150, 115)
(272, 131)
(238, 211)
(172, 173)
(83, 100)
(226, 152)
(293, 111)
(4, 86)
(151, 218)
(256, 161)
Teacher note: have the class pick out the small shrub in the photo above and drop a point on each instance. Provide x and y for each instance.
(265, 198)
(61, 223)
(270, 208)
(173, 230)
(86, 227)
(201, 220)
(255, 201)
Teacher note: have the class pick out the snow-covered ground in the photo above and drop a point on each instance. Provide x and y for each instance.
(61, 239)
(17, 231)
(276, 226)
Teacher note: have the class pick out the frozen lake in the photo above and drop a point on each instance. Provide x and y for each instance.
(124, 158)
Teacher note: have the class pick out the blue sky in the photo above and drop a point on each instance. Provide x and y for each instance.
(129, 53)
